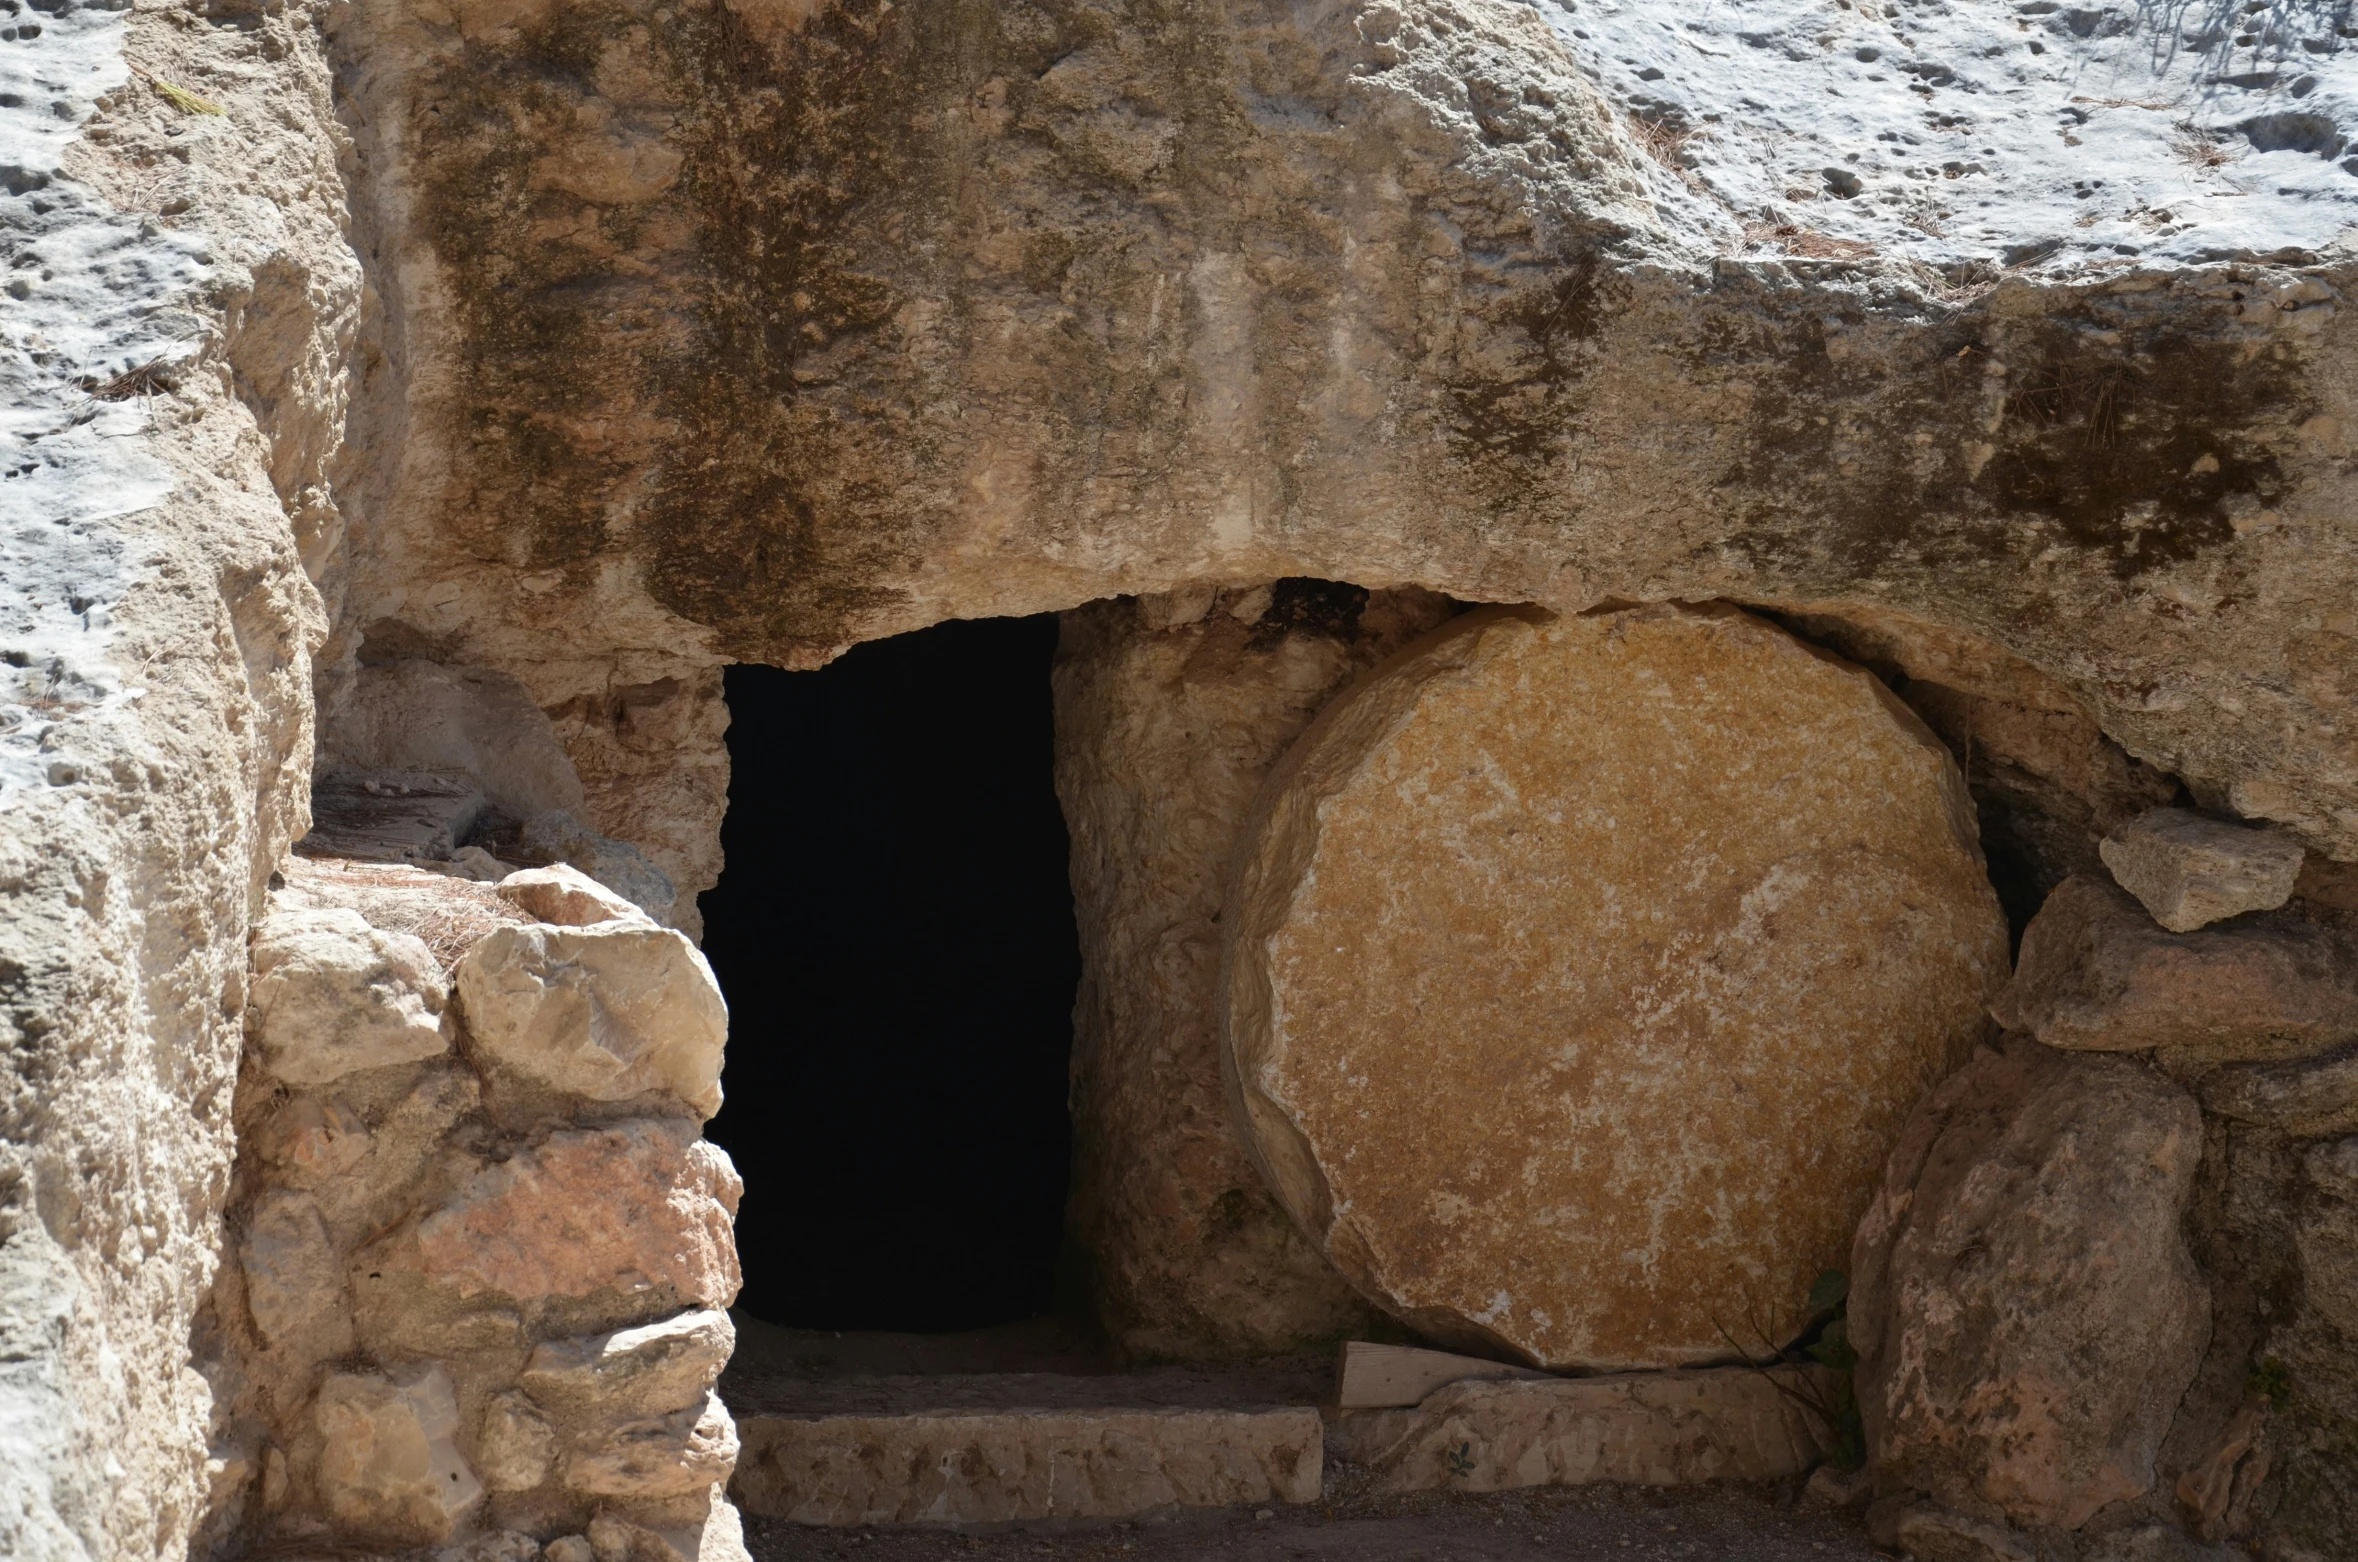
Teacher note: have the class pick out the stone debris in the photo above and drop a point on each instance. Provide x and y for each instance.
(2024, 1307)
(2095, 974)
(607, 1012)
(389, 1463)
(959, 1467)
(648, 1369)
(640, 1206)
(333, 994)
(1676, 1428)
(2191, 871)
(1558, 1058)
(564, 896)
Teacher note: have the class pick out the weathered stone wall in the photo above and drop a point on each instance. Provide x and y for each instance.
(1170, 712)
(173, 364)
(482, 1257)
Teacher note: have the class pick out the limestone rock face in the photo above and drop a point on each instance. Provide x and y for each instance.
(2191, 871)
(333, 994)
(2024, 1307)
(1583, 970)
(608, 1011)
(636, 1206)
(1170, 711)
(390, 1465)
(2095, 974)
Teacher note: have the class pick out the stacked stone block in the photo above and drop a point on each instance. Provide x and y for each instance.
(483, 1255)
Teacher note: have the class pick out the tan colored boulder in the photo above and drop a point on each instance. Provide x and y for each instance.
(656, 1456)
(564, 896)
(2190, 871)
(295, 1279)
(389, 1465)
(1583, 970)
(2308, 1098)
(1636, 1428)
(630, 1208)
(2096, 975)
(2024, 1307)
(649, 1369)
(332, 994)
(606, 1012)
(515, 1447)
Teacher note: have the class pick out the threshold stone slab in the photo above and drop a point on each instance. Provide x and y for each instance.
(990, 1466)
(1677, 1428)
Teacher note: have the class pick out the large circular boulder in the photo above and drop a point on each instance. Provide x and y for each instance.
(1581, 971)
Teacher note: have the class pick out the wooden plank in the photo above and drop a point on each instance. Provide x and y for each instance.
(1373, 1377)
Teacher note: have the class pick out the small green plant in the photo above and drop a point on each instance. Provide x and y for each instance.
(1461, 1460)
(2271, 1380)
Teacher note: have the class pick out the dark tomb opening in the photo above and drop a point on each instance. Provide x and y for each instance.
(894, 932)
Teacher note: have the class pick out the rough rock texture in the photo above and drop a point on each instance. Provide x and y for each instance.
(564, 896)
(389, 1459)
(2095, 974)
(1581, 973)
(643, 1206)
(607, 1012)
(2191, 871)
(1169, 712)
(473, 1305)
(332, 994)
(953, 1467)
(1639, 1428)
(178, 305)
(752, 331)
(2024, 1306)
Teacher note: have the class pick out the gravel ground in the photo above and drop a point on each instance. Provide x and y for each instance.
(1546, 1524)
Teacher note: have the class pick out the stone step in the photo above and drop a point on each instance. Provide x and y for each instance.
(992, 1448)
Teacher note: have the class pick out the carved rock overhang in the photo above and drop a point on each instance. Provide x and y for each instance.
(750, 331)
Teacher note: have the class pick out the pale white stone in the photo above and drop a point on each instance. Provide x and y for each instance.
(389, 1465)
(567, 897)
(607, 1012)
(333, 994)
(647, 1370)
(2191, 871)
